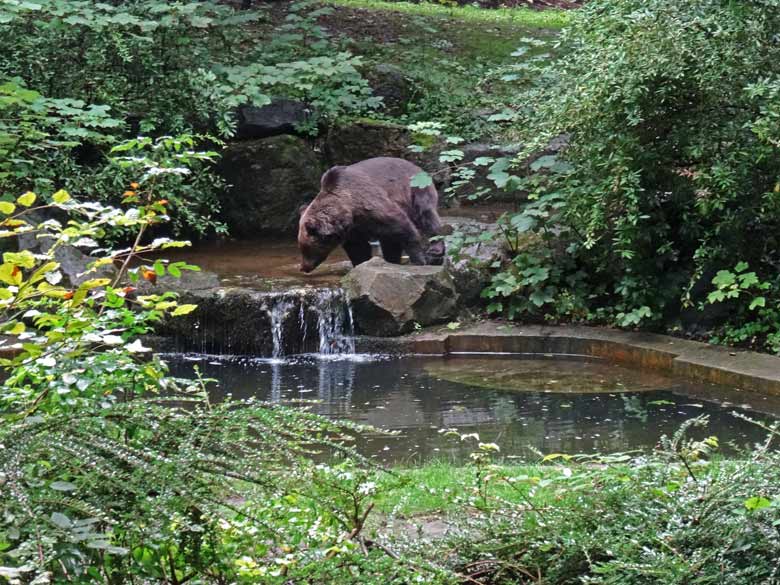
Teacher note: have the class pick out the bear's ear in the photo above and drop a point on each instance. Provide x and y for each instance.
(302, 209)
(330, 179)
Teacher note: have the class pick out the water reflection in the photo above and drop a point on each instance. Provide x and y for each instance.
(618, 409)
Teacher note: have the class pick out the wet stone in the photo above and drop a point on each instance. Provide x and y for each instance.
(391, 299)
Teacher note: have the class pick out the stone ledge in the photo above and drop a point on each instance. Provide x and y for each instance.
(680, 357)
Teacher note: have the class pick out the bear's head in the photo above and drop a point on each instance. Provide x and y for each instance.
(318, 235)
(324, 222)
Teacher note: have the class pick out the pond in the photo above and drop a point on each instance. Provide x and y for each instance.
(548, 404)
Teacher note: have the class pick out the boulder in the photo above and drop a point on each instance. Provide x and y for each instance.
(230, 321)
(190, 282)
(351, 143)
(389, 299)
(393, 86)
(73, 261)
(281, 116)
(268, 181)
(238, 321)
(471, 266)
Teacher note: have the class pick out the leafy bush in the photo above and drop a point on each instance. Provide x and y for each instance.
(112, 471)
(671, 111)
(77, 78)
(677, 515)
(171, 67)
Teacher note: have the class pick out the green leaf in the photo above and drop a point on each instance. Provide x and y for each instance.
(61, 520)
(61, 196)
(7, 208)
(10, 274)
(757, 503)
(757, 302)
(27, 199)
(522, 223)
(184, 310)
(724, 278)
(421, 180)
(450, 155)
(17, 329)
(25, 258)
(544, 162)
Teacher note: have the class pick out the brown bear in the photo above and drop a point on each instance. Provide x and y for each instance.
(371, 200)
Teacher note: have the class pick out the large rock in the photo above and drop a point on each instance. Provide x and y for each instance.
(241, 321)
(389, 299)
(269, 180)
(281, 116)
(351, 143)
(230, 321)
(74, 262)
(393, 86)
(471, 265)
(189, 283)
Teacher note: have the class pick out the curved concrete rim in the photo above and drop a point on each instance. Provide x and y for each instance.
(693, 360)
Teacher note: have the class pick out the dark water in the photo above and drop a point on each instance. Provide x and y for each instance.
(522, 404)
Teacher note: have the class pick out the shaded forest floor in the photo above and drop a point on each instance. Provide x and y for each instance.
(462, 63)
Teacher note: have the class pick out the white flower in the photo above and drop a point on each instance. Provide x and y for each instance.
(367, 488)
(137, 347)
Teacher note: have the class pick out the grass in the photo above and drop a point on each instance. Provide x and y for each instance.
(440, 487)
(546, 19)
(457, 56)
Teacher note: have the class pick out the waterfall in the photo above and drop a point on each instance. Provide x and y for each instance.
(334, 323)
(268, 324)
(277, 312)
(292, 312)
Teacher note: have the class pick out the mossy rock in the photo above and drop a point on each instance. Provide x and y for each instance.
(349, 143)
(269, 179)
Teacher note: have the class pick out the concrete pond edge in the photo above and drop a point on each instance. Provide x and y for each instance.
(682, 358)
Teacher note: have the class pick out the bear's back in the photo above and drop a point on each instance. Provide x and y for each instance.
(392, 175)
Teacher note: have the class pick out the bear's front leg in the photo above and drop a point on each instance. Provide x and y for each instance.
(358, 249)
(415, 252)
(391, 250)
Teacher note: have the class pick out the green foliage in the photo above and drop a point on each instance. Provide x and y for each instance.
(171, 67)
(78, 78)
(142, 58)
(111, 471)
(37, 135)
(677, 515)
(753, 318)
(672, 157)
(477, 16)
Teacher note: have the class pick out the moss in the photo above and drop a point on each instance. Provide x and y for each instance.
(551, 19)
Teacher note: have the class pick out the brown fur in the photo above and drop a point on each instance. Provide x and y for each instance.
(371, 200)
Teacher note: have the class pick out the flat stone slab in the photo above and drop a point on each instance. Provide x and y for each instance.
(680, 357)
